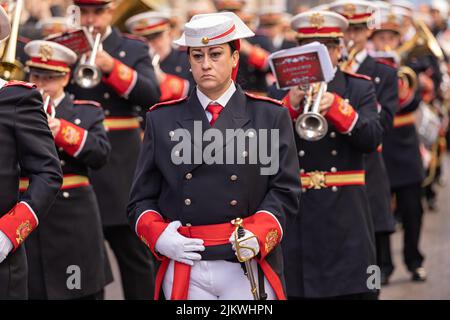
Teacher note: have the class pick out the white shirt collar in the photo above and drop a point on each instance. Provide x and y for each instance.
(223, 100)
(361, 56)
(107, 33)
(56, 102)
(359, 59)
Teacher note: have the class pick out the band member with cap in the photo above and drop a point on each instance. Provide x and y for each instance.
(27, 144)
(71, 233)
(384, 76)
(52, 25)
(128, 86)
(271, 24)
(330, 246)
(401, 152)
(171, 65)
(183, 210)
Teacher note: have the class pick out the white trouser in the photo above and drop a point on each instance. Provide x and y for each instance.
(217, 280)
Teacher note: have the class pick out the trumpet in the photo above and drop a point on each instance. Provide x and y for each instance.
(10, 67)
(311, 125)
(87, 75)
(46, 104)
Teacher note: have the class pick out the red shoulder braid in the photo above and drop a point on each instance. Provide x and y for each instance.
(23, 39)
(357, 75)
(166, 103)
(387, 62)
(134, 37)
(20, 83)
(256, 97)
(90, 102)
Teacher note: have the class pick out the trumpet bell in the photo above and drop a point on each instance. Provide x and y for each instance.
(87, 76)
(311, 126)
(12, 71)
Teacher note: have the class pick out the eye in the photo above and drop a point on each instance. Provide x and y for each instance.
(216, 54)
(197, 56)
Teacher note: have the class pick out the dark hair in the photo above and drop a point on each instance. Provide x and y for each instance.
(232, 45)
(325, 41)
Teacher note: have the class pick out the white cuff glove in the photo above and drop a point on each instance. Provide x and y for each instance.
(246, 241)
(176, 247)
(5, 246)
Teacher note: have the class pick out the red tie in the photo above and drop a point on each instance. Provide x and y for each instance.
(215, 109)
(49, 108)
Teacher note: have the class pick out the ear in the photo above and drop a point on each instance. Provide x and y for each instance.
(66, 79)
(235, 58)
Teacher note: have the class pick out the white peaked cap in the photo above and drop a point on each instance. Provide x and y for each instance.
(212, 29)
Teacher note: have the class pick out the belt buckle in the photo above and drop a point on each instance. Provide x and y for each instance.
(317, 180)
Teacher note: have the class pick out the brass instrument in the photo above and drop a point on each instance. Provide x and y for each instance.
(10, 67)
(311, 125)
(423, 42)
(345, 66)
(128, 8)
(238, 223)
(408, 84)
(87, 75)
(47, 104)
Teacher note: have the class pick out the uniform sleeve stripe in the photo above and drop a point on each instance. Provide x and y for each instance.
(132, 85)
(32, 212)
(353, 124)
(270, 213)
(83, 142)
(141, 215)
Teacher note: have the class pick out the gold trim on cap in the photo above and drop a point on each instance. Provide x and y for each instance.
(320, 35)
(205, 40)
(47, 67)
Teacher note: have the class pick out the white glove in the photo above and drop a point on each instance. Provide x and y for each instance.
(176, 247)
(5, 246)
(246, 241)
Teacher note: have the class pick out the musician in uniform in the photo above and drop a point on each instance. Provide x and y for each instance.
(128, 86)
(172, 69)
(330, 246)
(71, 234)
(384, 76)
(402, 154)
(27, 144)
(183, 210)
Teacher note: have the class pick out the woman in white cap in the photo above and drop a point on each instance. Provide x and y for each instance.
(66, 256)
(183, 211)
(27, 144)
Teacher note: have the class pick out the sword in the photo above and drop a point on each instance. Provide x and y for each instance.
(248, 268)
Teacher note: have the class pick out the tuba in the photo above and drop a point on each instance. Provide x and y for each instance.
(10, 67)
(407, 84)
(128, 8)
(422, 43)
(311, 125)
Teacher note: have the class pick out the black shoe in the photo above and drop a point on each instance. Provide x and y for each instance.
(420, 275)
(384, 279)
